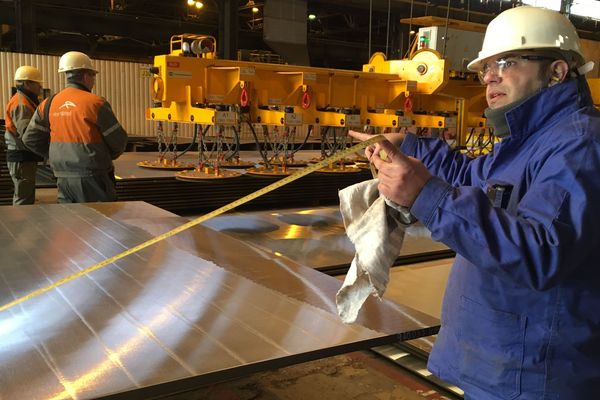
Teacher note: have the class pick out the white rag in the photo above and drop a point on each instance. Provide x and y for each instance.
(376, 227)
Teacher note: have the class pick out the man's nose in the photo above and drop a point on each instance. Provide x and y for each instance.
(491, 75)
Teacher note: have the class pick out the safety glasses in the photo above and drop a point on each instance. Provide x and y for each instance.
(507, 63)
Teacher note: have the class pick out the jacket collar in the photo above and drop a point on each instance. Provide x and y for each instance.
(550, 104)
(30, 96)
(77, 85)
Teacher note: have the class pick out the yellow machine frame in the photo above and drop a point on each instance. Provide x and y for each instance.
(189, 86)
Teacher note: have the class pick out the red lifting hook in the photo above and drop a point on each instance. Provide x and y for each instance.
(244, 98)
(305, 100)
(408, 105)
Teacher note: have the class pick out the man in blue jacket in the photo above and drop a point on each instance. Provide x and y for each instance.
(520, 317)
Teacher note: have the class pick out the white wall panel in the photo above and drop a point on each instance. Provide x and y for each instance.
(126, 86)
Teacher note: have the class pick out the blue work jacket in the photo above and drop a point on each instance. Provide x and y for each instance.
(521, 311)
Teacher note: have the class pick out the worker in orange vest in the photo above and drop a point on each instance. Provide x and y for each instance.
(22, 164)
(79, 133)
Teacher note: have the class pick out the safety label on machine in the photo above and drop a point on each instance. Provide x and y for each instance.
(450, 122)
(293, 118)
(353, 121)
(404, 121)
(179, 74)
(310, 76)
(248, 71)
(225, 118)
(215, 98)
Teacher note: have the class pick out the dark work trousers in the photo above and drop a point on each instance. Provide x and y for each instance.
(23, 177)
(86, 189)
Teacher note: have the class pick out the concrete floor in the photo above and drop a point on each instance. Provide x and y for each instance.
(355, 376)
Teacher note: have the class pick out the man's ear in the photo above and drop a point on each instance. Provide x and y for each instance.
(559, 69)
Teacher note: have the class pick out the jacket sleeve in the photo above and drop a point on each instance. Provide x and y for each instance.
(553, 229)
(37, 135)
(441, 160)
(113, 133)
(21, 115)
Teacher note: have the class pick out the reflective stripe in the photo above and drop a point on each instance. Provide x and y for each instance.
(16, 109)
(111, 129)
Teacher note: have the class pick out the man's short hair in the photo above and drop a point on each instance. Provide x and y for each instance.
(75, 75)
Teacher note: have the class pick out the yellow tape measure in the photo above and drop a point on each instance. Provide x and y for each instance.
(228, 207)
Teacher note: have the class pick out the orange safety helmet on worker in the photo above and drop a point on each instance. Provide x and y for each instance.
(79, 133)
(22, 164)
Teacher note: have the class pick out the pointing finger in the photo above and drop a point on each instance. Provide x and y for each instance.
(359, 135)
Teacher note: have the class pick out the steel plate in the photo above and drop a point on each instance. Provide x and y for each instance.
(193, 309)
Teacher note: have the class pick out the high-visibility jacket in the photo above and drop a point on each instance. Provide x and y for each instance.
(19, 110)
(80, 135)
(520, 315)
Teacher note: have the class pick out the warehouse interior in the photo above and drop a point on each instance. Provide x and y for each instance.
(214, 275)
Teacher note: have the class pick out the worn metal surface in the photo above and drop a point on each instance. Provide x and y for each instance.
(314, 237)
(196, 308)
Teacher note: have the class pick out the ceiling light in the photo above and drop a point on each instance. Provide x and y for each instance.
(199, 4)
(191, 2)
(254, 9)
(312, 16)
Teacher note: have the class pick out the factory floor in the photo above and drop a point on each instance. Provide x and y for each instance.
(354, 376)
(360, 375)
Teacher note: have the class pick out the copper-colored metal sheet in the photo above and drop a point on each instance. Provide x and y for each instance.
(270, 171)
(208, 173)
(167, 165)
(339, 169)
(236, 163)
(195, 308)
(290, 162)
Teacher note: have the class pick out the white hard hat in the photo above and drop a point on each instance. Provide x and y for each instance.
(28, 73)
(74, 60)
(528, 28)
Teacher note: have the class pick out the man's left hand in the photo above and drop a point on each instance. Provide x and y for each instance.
(401, 178)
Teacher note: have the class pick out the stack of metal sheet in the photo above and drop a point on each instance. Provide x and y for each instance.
(160, 188)
(196, 308)
(6, 184)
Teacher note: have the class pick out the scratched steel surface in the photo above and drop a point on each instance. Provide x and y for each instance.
(190, 310)
(314, 237)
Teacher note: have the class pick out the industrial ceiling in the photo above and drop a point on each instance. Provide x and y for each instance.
(138, 29)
